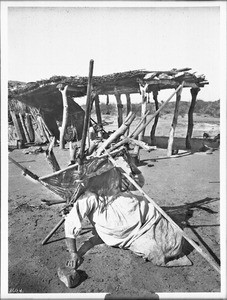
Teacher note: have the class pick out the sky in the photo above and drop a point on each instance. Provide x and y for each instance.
(47, 41)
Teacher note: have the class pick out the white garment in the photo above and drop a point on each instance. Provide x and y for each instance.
(118, 219)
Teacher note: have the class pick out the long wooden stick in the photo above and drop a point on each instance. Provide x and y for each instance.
(74, 198)
(141, 128)
(26, 171)
(197, 248)
(64, 117)
(120, 131)
(87, 113)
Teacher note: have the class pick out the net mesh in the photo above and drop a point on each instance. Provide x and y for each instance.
(65, 182)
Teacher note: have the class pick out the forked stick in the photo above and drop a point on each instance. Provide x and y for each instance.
(197, 248)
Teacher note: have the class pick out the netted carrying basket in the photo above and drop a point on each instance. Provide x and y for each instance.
(66, 181)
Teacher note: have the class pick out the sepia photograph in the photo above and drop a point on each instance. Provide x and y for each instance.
(113, 149)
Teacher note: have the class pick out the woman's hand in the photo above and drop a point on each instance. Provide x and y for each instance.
(75, 261)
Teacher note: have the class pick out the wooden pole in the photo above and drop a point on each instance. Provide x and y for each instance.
(153, 129)
(157, 112)
(143, 112)
(119, 108)
(194, 93)
(174, 123)
(87, 113)
(64, 117)
(98, 114)
(164, 214)
(120, 131)
(128, 107)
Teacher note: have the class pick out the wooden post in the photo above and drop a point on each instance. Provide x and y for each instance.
(128, 107)
(174, 123)
(152, 134)
(194, 93)
(137, 132)
(28, 124)
(143, 112)
(119, 108)
(107, 104)
(98, 114)
(87, 112)
(64, 117)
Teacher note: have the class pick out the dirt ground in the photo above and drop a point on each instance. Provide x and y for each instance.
(186, 187)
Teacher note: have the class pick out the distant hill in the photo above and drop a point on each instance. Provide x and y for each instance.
(210, 108)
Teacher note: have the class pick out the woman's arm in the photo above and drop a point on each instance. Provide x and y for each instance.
(75, 259)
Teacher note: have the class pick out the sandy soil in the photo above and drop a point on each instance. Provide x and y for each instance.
(186, 187)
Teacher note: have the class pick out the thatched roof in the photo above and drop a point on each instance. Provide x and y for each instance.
(124, 82)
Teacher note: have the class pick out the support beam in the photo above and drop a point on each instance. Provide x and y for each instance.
(143, 90)
(174, 123)
(194, 93)
(153, 129)
(64, 117)
(119, 108)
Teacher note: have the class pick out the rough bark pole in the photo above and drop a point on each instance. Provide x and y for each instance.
(16, 125)
(119, 132)
(174, 123)
(98, 114)
(30, 129)
(194, 93)
(119, 108)
(143, 112)
(107, 105)
(51, 159)
(64, 117)
(128, 107)
(137, 132)
(153, 129)
(24, 128)
(87, 112)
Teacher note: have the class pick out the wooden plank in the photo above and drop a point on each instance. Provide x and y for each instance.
(174, 123)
